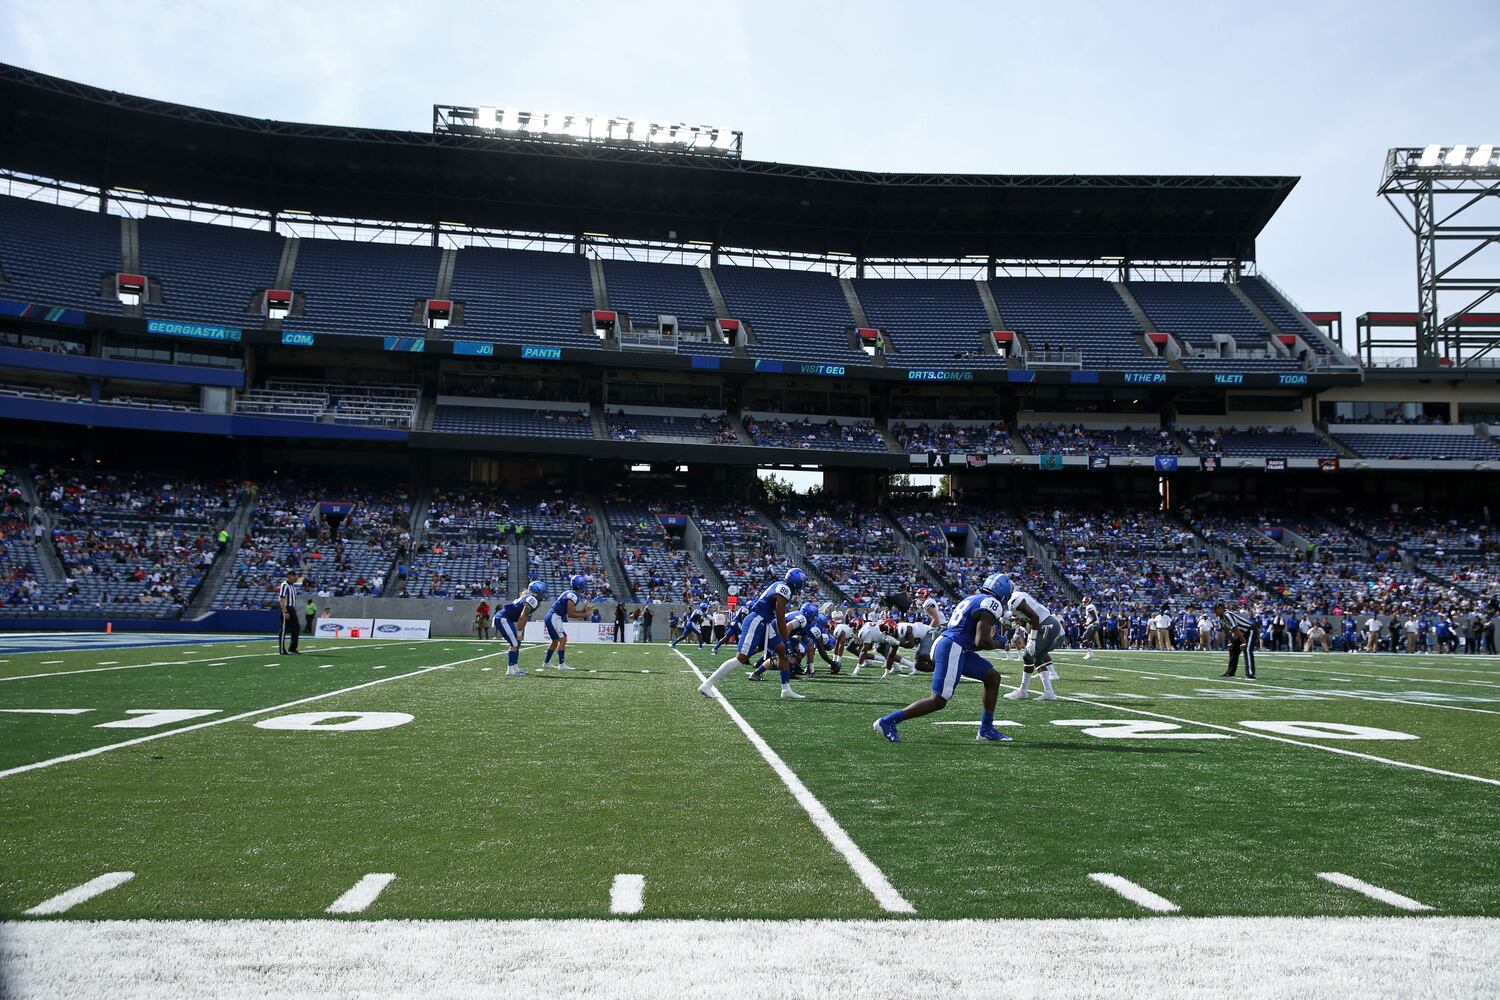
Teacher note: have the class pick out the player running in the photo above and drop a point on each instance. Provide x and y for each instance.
(764, 629)
(567, 607)
(510, 623)
(955, 655)
(1046, 634)
(692, 624)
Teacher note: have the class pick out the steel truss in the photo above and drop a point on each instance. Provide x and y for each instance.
(1449, 203)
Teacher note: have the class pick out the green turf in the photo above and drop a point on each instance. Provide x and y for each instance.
(526, 797)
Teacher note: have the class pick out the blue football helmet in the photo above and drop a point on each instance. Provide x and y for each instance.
(998, 585)
(810, 613)
(795, 578)
(579, 582)
(538, 588)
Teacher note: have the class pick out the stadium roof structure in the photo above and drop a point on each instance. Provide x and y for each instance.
(87, 135)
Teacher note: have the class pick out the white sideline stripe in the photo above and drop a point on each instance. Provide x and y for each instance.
(997, 723)
(65, 901)
(362, 894)
(1141, 958)
(1317, 691)
(95, 751)
(1111, 706)
(157, 663)
(1375, 892)
(874, 879)
(627, 894)
(1137, 894)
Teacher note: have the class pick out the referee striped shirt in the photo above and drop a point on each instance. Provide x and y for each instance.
(1233, 621)
(286, 595)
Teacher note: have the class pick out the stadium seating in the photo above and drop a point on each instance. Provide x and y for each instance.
(657, 566)
(929, 321)
(1059, 439)
(132, 542)
(772, 431)
(285, 535)
(645, 291)
(463, 549)
(961, 436)
(363, 288)
(208, 273)
(58, 256)
(1242, 364)
(385, 405)
(522, 297)
(1435, 446)
(23, 585)
(797, 315)
(512, 421)
(853, 547)
(1075, 314)
(1261, 442)
(50, 395)
(701, 428)
(1197, 310)
(1268, 302)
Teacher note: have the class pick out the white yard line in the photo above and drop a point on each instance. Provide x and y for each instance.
(627, 894)
(1137, 894)
(154, 663)
(65, 901)
(1140, 958)
(1262, 686)
(1277, 739)
(1375, 892)
(873, 878)
(362, 894)
(1383, 661)
(95, 751)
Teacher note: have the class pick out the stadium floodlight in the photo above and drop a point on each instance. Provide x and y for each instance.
(510, 119)
(1430, 156)
(486, 118)
(587, 129)
(1456, 156)
(1481, 157)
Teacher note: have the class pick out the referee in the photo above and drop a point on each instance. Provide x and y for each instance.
(1239, 634)
(286, 600)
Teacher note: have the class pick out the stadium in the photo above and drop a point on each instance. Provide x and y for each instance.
(398, 378)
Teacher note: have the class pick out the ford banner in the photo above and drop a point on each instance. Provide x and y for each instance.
(343, 628)
(402, 628)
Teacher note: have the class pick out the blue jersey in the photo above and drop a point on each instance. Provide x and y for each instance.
(560, 606)
(963, 624)
(512, 611)
(765, 604)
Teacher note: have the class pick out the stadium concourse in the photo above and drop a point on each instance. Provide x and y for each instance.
(1078, 448)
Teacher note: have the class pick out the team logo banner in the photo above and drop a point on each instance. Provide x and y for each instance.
(1051, 463)
(978, 461)
(937, 460)
(1166, 463)
(1210, 463)
(1275, 465)
(1328, 464)
(1098, 461)
(402, 628)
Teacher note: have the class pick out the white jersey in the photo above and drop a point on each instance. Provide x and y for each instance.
(913, 631)
(929, 606)
(1090, 615)
(842, 632)
(870, 634)
(1020, 599)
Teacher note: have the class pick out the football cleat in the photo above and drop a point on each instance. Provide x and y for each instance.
(787, 692)
(755, 675)
(992, 734)
(563, 666)
(1016, 695)
(888, 730)
(1048, 696)
(707, 690)
(516, 672)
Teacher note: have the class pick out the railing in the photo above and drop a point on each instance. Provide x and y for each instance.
(1051, 358)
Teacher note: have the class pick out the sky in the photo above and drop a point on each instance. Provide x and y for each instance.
(1318, 90)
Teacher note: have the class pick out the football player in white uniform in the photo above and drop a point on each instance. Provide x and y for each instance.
(1089, 615)
(919, 636)
(929, 606)
(1046, 635)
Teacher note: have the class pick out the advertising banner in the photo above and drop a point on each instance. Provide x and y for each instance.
(342, 628)
(402, 628)
(577, 632)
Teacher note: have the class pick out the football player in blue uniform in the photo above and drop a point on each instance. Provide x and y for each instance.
(568, 606)
(732, 632)
(971, 628)
(805, 637)
(764, 630)
(692, 624)
(510, 623)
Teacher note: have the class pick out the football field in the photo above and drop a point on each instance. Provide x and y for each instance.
(371, 783)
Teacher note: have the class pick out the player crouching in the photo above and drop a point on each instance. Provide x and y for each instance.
(569, 606)
(956, 654)
(510, 623)
(1046, 634)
